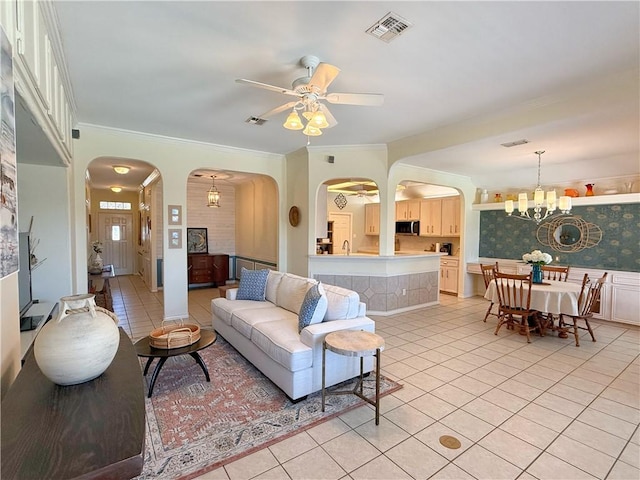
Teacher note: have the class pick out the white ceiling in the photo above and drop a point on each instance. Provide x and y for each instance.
(464, 78)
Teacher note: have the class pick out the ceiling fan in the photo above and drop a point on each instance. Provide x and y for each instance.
(309, 90)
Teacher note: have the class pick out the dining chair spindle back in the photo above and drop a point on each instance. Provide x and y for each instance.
(588, 303)
(514, 296)
(561, 274)
(488, 274)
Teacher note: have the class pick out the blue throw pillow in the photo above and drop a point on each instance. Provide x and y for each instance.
(253, 284)
(313, 307)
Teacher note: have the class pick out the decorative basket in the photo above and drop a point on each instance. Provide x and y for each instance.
(174, 336)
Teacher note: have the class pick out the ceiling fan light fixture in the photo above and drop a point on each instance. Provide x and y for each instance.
(319, 120)
(312, 131)
(293, 121)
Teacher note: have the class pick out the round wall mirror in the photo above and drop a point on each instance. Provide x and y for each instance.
(569, 234)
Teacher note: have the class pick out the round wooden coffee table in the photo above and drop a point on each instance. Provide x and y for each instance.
(144, 349)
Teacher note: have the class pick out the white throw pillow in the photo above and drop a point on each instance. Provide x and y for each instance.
(292, 290)
(273, 282)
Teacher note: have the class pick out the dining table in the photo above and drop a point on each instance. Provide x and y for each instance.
(550, 297)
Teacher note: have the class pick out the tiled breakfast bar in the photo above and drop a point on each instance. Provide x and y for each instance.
(387, 284)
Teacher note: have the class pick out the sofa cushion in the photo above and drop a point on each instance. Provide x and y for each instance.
(342, 303)
(253, 284)
(273, 282)
(280, 340)
(223, 308)
(292, 290)
(244, 320)
(313, 308)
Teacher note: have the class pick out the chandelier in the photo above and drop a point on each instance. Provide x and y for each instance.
(540, 210)
(213, 195)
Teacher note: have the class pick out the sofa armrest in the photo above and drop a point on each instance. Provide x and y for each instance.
(313, 335)
(231, 293)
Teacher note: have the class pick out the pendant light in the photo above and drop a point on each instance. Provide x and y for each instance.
(213, 195)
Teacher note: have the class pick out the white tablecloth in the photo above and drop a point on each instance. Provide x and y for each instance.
(556, 298)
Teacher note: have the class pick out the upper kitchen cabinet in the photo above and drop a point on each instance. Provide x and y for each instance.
(451, 216)
(38, 71)
(407, 210)
(372, 219)
(431, 217)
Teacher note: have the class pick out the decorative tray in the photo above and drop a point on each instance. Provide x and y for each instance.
(174, 336)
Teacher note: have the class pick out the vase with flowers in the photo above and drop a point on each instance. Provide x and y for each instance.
(537, 259)
(95, 261)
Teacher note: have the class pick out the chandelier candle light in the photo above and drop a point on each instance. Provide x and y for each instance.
(564, 202)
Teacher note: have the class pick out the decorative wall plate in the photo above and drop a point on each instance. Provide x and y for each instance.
(294, 216)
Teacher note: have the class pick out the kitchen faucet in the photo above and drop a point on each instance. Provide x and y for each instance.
(345, 246)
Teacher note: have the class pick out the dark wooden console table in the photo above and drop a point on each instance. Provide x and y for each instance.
(92, 430)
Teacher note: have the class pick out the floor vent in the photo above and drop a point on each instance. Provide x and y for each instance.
(255, 121)
(389, 27)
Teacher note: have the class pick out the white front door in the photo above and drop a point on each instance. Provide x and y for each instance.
(341, 231)
(115, 233)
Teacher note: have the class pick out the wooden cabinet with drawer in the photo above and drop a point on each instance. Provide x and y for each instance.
(206, 268)
(449, 274)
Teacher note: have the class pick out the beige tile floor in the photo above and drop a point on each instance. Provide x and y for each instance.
(545, 410)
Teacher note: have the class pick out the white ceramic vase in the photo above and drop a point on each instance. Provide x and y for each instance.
(80, 344)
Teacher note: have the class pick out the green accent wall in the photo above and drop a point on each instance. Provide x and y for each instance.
(505, 237)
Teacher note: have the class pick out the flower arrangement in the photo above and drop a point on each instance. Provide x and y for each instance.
(97, 246)
(537, 258)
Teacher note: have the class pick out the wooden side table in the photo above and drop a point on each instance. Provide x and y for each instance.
(354, 343)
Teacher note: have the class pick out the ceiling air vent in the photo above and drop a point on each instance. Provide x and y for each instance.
(255, 121)
(389, 27)
(513, 144)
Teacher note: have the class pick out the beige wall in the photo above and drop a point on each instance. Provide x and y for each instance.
(257, 220)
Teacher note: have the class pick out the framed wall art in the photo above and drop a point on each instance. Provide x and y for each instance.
(175, 214)
(175, 238)
(197, 240)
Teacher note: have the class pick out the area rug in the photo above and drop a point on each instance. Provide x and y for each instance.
(195, 426)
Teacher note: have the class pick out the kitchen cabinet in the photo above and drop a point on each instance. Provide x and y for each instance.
(449, 275)
(207, 268)
(407, 210)
(451, 216)
(431, 217)
(372, 219)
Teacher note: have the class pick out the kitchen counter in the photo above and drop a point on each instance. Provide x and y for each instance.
(388, 284)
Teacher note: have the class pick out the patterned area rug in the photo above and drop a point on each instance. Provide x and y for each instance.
(194, 426)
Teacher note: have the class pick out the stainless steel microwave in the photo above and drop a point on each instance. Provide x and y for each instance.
(407, 228)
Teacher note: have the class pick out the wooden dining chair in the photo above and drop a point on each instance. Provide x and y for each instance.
(488, 272)
(588, 303)
(514, 296)
(561, 274)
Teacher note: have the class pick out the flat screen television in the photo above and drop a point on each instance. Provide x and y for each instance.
(24, 274)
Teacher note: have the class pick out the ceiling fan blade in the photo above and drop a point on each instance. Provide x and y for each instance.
(331, 120)
(323, 76)
(368, 99)
(266, 86)
(277, 110)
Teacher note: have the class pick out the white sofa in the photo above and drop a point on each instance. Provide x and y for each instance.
(266, 333)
